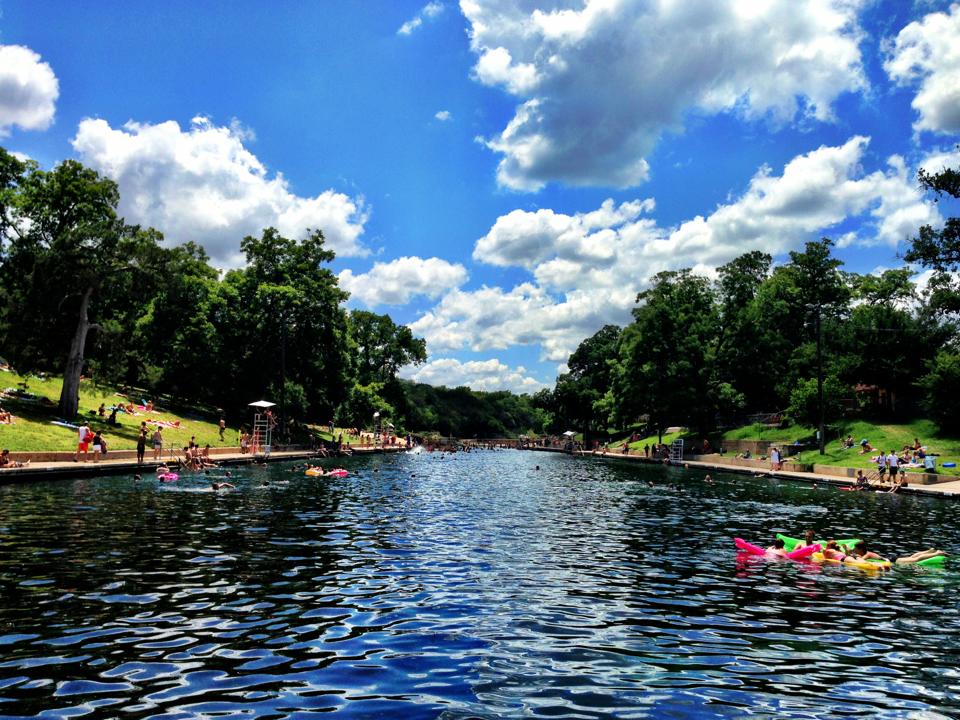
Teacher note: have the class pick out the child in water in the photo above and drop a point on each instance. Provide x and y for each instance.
(777, 548)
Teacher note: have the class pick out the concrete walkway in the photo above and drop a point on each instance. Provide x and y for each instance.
(121, 464)
(945, 489)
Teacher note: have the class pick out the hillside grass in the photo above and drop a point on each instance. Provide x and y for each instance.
(882, 436)
(32, 430)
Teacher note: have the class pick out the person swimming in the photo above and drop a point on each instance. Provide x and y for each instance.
(861, 552)
(777, 548)
(221, 485)
(919, 556)
(833, 552)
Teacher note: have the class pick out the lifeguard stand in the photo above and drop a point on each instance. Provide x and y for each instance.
(676, 452)
(261, 438)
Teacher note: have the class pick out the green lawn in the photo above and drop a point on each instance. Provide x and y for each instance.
(33, 431)
(886, 438)
(881, 436)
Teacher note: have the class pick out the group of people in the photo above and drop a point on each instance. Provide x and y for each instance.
(838, 553)
(195, 458)
(216, 483)
(88, 440)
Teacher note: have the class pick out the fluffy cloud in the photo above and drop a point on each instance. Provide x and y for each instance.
(589, 267)
(486, 375)
(396, 282)
(527, 239)
(928, 52)
(939, 160)
(598, 85)
(427, 12)
(443, 115)
(494, 319)
(815, 192)
(28, 90)
(202, 184)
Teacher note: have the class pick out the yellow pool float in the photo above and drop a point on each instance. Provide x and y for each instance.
(851, 561)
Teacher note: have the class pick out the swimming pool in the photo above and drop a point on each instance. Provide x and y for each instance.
(468, 585)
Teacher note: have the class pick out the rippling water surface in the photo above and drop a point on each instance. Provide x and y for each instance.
(472, 585)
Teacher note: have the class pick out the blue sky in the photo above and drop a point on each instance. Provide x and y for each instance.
(503, 176)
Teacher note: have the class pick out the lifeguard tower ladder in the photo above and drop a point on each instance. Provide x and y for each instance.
(676, 452)
(261, 437)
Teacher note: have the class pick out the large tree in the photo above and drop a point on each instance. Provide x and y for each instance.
(939, 248)
(667, 354)
(65, 244)
(382, 347)
(821, 293)
(580, 391)
(284, 321)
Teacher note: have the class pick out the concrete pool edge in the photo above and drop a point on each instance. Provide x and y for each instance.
(950, 489)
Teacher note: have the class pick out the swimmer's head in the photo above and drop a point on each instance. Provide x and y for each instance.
(778, 543)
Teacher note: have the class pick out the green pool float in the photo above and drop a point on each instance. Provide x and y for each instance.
(790, 543)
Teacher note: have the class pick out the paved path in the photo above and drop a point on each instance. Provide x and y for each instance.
(65, 469)
(943, 489)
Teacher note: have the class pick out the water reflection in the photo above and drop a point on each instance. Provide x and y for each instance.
(466, 586)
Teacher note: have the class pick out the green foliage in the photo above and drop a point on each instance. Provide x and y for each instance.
(465, 413)
(804, 406)
(939, 248)
(667, 354)
(942, 386)
(76, 281)
(382, 347)
(361, 403)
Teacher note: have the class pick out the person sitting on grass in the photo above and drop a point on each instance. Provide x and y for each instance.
(866, 447)
(848, 443)
(6, 417)
(7, 462)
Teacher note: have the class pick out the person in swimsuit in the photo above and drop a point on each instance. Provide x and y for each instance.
(833, 552)
(861, 552)
(777, 548)
(919, 556)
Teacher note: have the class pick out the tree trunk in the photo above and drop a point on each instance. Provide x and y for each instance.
(70, 395)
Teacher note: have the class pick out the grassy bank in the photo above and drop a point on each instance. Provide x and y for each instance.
(33, 429)
(882, 436)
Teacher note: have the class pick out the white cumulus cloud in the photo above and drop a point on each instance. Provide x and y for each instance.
(203, 184)
(443, 115)
(486, 375)
(28, 90)
(396, 282)
(927, 52)
(600, 80)
(427, 12)
(588, 267)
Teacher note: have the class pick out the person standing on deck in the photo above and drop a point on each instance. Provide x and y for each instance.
(157, 442)
(84, 436)
(893, 465)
